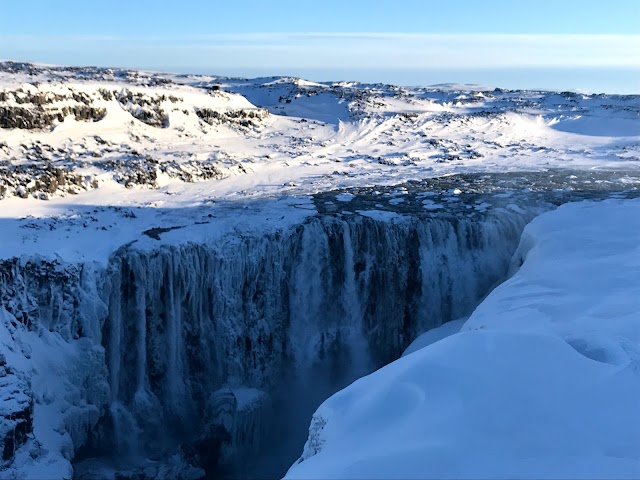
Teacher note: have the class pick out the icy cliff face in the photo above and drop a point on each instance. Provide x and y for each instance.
(209, 347)
(53, 392)
(333, 299)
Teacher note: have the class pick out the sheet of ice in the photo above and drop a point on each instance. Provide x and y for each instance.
(345, 197)
(542, 382)
(428, 204)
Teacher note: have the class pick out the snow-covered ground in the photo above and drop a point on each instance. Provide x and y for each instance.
(160, 181)
(543, 381)
(107, 146)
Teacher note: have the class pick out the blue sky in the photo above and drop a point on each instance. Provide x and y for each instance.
(567, 44)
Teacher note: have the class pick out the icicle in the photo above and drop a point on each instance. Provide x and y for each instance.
(141, 325)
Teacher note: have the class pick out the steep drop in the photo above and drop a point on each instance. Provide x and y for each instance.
(230, 344)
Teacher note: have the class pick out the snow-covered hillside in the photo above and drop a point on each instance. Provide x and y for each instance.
(66, 131)
(190, 265)
(542, 382)
(119, 152)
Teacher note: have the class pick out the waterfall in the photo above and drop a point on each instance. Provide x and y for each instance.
(309, 309)
(220, 352)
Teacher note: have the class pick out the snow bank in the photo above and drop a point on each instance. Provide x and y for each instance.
(579, 279)
(543, 381)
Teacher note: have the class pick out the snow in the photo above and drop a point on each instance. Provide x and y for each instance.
(189, 193)
(379, 215)
(431, 205)
(594, 126)
(434, 335)
(92, 228)
(345, 197)
(582, 271)
(67, 395)
(318, 137)
(248, 397)
(542, 381)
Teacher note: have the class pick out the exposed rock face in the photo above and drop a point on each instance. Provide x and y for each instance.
(244, 118)
(41, 181)
(144, 170)
(144, 107)
(33, 109)
(45, 180)
(39, 117)
(36, 108)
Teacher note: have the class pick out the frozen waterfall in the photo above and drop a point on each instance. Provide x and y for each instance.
(308, 310)
(217, 354)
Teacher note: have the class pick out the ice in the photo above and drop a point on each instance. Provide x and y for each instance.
(66, 391)
(344, 197)
(232, 331)
(304, 310)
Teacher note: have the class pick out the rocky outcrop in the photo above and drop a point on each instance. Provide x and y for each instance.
(44, 180)
(143, 170)
(41, 181)
(40, 117)
(144, 107)
(244, 117)
(36, 107)
(33, 109)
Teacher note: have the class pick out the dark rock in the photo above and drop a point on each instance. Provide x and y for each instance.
(242, 117)
(206, 451)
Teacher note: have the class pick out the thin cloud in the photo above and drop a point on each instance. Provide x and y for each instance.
(338, 50)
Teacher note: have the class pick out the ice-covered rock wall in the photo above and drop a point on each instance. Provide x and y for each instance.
(214, 347)
(323, 304)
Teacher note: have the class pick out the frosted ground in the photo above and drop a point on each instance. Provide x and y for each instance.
(365, 215)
